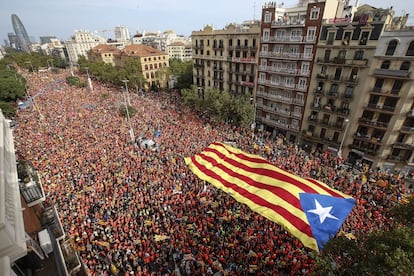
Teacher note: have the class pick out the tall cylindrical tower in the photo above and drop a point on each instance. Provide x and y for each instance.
(21, 33)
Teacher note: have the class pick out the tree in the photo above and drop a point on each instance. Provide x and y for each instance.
(182, 71)
(132, 70)
(387, 252)
(220, 106)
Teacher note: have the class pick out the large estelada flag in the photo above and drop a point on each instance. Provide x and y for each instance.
(309, 209)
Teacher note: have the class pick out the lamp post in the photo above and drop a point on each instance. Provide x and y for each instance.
(51, 63)
(343, 138)
(89, 79)
(131, 131)
(31, 65)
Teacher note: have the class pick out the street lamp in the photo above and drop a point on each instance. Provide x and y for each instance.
(131, 131)
(89, 79)
(51, 62)
(31, 65)
(343, 138)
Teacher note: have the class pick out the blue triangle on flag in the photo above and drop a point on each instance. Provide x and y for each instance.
(325, 214)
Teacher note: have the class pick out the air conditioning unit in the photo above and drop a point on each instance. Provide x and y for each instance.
(45, 242)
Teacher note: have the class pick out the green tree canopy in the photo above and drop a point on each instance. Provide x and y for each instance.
(220, 106)
(182, 71)
(387, 252)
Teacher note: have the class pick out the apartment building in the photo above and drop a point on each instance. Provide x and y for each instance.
(344, 56)
(226, 59)
(383, 135)
(103, 52)
(288, 44)
(153, 61)
(179, 50)
(80, 43)
(31, 233)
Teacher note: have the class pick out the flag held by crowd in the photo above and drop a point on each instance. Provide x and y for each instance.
(310, 210)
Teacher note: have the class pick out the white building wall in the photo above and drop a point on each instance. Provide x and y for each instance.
(12, 233)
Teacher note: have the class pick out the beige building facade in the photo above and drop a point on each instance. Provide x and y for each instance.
(153, 61)
(226, 59)
(384, 132)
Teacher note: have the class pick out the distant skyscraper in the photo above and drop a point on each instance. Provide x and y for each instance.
(22, 37)
(121, 33)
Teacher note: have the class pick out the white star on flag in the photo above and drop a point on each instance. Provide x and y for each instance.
(322, 212)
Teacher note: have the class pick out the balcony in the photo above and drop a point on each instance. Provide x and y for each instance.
(369, 122)
(357, 62)
(388, 73)
(278, 98)
(332, 94)
(343, 61)
(322, 76)
(251, 60)
(282, 85)
(288, 23)
(318, 91)
(284, 70)
(281, 55)
(247, 83)
(30, 184)
(407, 129)
(401, 145)
(380, 108)
(280, 111)
(347, 96)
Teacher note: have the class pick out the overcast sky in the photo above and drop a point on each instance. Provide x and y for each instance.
(61, 17)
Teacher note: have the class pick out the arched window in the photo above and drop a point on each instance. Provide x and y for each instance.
(385, 64)
(392, 45)
(410, 50)
(405, 66)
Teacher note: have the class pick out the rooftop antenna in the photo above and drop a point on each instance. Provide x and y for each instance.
(254, 11)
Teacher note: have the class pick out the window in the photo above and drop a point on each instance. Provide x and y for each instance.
(364, 38)
(410, 50)
(305, 68)
(396, 87)
(405, 66)
(334, 88)
(311, 34)
(359, 55)
(347, 37)
(378, 85)
(266, 35)
(268, 17)
(338, 72)
(354, 74)
(392, 45)
(307, 52)
(327, 55)
(295, 35)
(262, 77)
(300, 98)
(385, 64)
(280, 34)
(314, 14)
(302, 83)
(331, 38)
(349, 91)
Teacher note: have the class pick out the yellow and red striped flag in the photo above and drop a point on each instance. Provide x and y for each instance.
(309, 209)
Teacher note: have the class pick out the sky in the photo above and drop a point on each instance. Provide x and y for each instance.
(61, 18)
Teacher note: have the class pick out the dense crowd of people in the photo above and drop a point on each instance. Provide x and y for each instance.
(135, 211)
